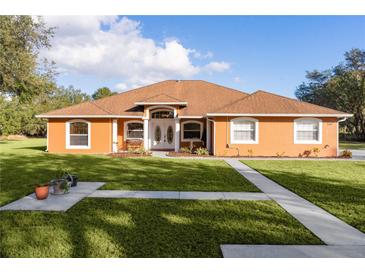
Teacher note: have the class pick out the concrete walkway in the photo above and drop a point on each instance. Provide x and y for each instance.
(292, 251)
(55, 202)
(325, 226)
(180, 195)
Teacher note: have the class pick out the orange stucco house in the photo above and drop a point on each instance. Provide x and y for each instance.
(191, 113)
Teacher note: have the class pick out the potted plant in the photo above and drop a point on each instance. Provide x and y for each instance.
(70, 178)
(60, 184)
(41, 191)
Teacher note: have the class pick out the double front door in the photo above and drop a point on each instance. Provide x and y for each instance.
(162, 133)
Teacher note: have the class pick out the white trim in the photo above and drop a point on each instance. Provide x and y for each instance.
(279, 115)
(308, 142)
(87, 116)
(256, 141)
(195, 139)
(126, 129)
(47, 135)
(115, 135)
(160, 108)
(161, 103)
(145, 134)
(68, 146)
(177, 134)
(191, 117)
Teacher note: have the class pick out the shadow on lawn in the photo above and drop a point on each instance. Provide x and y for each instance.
(150, 228)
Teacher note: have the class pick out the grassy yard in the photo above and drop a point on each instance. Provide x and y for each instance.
(147, 228)
(24, 164)
(352, 145)
(336, 186)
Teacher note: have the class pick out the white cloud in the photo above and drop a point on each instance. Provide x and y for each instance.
(109, 47)
(217, 66)
(121, 86)
(237, 79)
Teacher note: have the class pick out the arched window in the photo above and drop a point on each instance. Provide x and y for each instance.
(133, 130)
(162, 114)
(192, 130)
(307, 131)
(78, 134)
(244, 131)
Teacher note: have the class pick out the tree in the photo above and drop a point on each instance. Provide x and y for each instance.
(342, 88)
(21, 38)
(102, 92)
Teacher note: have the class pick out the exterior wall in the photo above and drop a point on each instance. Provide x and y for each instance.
(122, 144)
(100, 138)
(276, 135)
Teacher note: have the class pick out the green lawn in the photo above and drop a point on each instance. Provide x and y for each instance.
(147, 228)
(24, 164)
(336, 186)
(352, 145)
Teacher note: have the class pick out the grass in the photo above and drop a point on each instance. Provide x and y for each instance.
(147, 228)
(336, 186)
(352, 145)
(25, 164)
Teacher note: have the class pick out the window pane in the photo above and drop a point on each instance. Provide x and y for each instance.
(77, 140)
(78, 128)
(244, 135)
(163, 114)
(135, 126)
(192, 126)
(192, 134)
(135, 134)
(307, 130)
(244, 125)
(307, 135)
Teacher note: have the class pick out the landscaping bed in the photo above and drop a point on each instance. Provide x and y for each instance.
(129, 155)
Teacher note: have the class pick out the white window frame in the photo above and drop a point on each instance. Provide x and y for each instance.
(242, 119)
(68, 145)
(192, 139)
(319, 121)
(126, 129)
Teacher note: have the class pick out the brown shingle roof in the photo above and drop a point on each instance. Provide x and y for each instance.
(263, 102)
(202, 97)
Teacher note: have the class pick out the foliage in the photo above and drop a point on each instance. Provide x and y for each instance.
(18, 116)
(346, 154)
(102, 92)
(316, 151)
(186, 150)
(280, 154)
(21, 38)
(342, 88)
(250, 152)
(336, 186)
(202, 151)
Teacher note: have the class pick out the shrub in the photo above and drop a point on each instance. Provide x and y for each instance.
(250, 152)
(202, 151)
(185, 150)
(307, 153)
(316, 151)
(279, 155)
(346, 154)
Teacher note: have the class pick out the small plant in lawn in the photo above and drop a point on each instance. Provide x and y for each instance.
(202, 151)
(279, 155)
(316, 151)
(346, 154)
(185, 150)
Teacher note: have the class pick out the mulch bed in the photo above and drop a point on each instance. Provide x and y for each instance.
(185, 154)
(129, 155)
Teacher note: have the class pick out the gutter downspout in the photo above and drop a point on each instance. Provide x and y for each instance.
(210, 120)
(338, 135)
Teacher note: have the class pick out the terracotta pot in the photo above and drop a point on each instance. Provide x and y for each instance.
(41, 192)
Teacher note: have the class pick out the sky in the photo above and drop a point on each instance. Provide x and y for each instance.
(247, 53)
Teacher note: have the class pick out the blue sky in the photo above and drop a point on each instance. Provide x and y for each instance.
(244, 52)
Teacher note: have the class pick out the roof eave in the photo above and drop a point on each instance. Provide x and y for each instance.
(281, 114)
(160, 103)
(87, 116)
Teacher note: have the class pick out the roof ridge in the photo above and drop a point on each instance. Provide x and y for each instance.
(93, 102)
(235, 90)
(239, 100)
(162, 94)
(295, 100)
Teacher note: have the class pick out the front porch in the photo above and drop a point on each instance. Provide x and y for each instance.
(161, 129)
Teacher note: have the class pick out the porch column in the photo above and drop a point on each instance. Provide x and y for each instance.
(208, 135)
(115, 136)
(145, 133)
(177, 134)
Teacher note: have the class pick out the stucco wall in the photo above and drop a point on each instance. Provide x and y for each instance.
(276, 135)
(100, 138)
